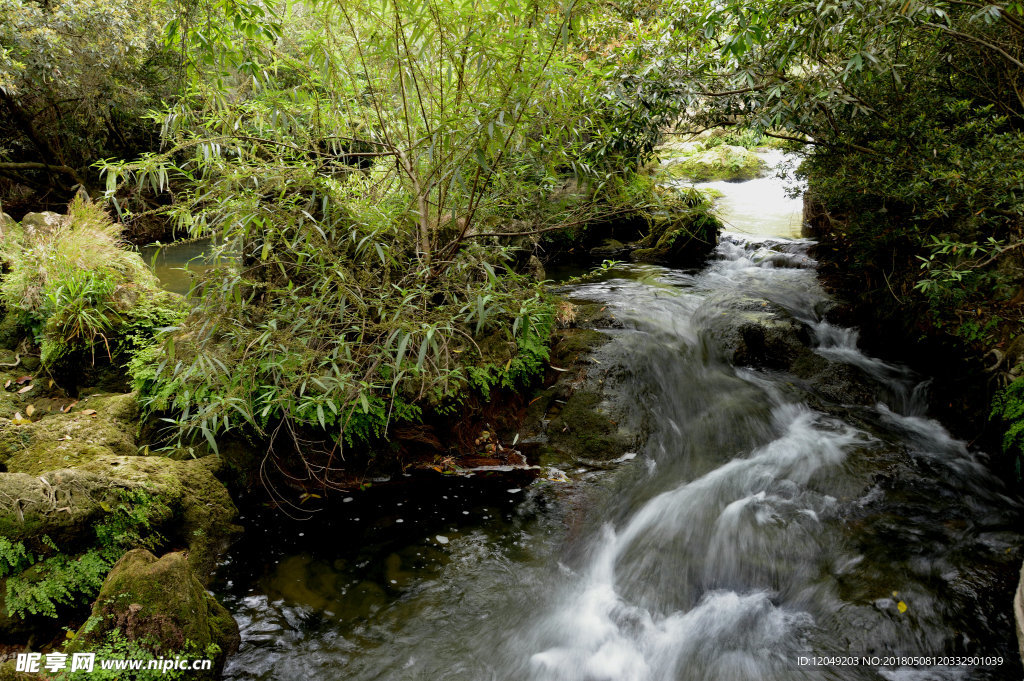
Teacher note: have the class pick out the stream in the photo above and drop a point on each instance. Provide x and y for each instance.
(760, 523)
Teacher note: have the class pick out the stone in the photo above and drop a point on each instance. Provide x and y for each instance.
(1018, 613)
(679, 239)
(159, 604)
(36, 225)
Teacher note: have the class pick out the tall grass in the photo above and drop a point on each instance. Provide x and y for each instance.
(73, 282)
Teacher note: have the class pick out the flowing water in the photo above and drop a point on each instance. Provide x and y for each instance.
(760, 523)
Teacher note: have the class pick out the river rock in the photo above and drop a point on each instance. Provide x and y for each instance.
(65, 472)
(1018, 613)
(757, 333)
(36, 225)
(679, 239)
(159, 604)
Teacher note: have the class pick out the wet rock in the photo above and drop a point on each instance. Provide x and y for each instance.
(610, 248)
(722, 162)
(583, 430)
(160, 605)
(1018, 613)
(756, 333)
(680, 239)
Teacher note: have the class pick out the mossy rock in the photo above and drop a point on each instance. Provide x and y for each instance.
(201, 504)
(61, 504)
(101, 451)
(680, 239)
(582, 431)
(159, 604)
(63, 440)
(723, 162)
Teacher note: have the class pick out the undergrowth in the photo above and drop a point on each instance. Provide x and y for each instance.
(43, 577)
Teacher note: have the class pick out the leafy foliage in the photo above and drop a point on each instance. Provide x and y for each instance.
(371, 182)
(75, 77)
(77, 286)
(40, 581)
(1008, 407)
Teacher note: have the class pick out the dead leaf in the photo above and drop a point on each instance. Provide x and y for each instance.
(25, 389)
(22, 380)
(88, 412)
(7, 384)
(29, 410)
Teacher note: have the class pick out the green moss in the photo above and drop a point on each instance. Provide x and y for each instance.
(680, 239)
(722, 162)
(104, 423)
(583, 432)
(160, 605)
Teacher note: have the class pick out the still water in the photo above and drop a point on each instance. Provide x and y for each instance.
(761, 521)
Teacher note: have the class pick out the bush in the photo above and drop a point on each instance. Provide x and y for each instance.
(77, 286)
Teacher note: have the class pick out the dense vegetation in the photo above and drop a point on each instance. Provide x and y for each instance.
(382, 182)
(376, 176)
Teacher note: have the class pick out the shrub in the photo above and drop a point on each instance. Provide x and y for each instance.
(77, 286)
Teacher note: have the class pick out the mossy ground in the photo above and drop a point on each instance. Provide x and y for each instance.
(694, 161)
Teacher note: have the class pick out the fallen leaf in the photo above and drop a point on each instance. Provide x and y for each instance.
(88, 412)
(7, 384)
(105, 506)
(901, 606)
(25, 389)
(29, 410)
(23, 380)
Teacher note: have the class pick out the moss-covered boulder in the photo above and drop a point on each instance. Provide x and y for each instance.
(583, 430)
(722, 162)
(161, 606)
(679, 238)
(95, 425)
(69, 474)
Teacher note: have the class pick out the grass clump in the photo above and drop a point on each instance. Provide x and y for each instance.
(77, 286)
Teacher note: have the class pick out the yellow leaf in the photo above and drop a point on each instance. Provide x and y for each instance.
(901, 606)
(29, 409)
(105, 506)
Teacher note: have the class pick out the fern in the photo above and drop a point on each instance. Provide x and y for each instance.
(37, 584)
(1008, 407)
(14, 557)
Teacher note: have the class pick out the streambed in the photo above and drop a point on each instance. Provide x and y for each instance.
(764, 519)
